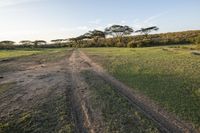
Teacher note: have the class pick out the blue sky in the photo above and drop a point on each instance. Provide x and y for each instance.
(52, 19)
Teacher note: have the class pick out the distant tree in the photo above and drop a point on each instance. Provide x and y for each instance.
(26, 42)
(118, 30)
(97, 34)
(73, 39)
(148, 30)
(57, 41)
(76, 41)
(39, 42)
(7, 42)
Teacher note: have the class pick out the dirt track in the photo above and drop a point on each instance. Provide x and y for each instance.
(40, 83)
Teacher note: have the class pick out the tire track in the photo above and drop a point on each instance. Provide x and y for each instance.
(165, 121)
(82, 115)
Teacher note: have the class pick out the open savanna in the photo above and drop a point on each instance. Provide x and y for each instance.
(33, 94)
(13, 60)
(170, 75)
(4, 54)
(36, 96)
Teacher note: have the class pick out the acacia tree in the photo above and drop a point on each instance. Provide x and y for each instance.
(39, 42)
(7, 42)
(96, 35)
(77, 40)
(57, 41)
(26, 42)
(119, 31)
(147, 30)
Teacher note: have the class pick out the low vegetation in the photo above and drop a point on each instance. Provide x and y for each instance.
(12, 58)
(113, 36)
(168, 75)
(47, 107)
(16, 53)
(52, 115)
(118, 114)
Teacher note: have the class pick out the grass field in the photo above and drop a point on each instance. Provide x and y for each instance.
(42, 104)
(26, 52)
(12, 58)
(168, 75)
(118, 114)
(43, 78)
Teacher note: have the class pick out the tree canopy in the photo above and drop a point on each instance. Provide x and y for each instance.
(118, 30)
(39, 42)
(7, 42)
(97, 34)
(147, 30)
(26, 42)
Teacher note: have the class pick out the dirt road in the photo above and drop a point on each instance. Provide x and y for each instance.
(56, 97)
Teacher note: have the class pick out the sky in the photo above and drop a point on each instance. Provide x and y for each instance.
(59, 19)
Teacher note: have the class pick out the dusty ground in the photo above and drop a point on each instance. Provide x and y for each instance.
(56, 97)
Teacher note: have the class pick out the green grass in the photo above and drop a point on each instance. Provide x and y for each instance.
(26, 52)
(37, 56)
(50, 116)
(117, 113)
(168, 75)
(16, 53)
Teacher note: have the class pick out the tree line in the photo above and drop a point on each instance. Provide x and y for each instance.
(113, 36)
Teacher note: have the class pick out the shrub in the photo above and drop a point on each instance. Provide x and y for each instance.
(197, 40)
(132, 44)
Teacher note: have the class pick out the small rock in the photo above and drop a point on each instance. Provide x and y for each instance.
(1, 77)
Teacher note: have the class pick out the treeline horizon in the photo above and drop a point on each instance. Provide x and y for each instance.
(114, 36)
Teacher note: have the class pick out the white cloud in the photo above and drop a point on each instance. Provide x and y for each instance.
(154, 17)
(5, 3)
(150, 21)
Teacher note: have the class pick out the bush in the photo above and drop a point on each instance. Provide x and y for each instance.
(197, 40)
(141, 43)
(132, 44)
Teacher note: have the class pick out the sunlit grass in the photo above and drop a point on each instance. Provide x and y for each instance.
(118, 114)
(25, 52)
(168, 75)
(16, 53)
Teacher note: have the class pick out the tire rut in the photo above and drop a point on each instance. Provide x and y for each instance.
(165, 121)
(82, 113)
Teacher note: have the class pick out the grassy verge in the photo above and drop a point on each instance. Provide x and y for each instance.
(6, 54)
(17, 53)
(118, 115)
(50, 116)
(15, 61)
(168, 75)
